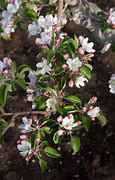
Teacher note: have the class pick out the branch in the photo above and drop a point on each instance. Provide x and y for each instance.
(15, 115)
(60, 10)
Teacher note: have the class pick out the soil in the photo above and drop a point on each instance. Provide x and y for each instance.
(96, 159)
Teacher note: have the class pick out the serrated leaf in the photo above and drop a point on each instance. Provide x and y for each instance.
(56, 138)
(52, 152)
(73, 99)
(75, 144)
(102, 119)
(86, 72)
(86, 122)
(21, 83)
(43, 164)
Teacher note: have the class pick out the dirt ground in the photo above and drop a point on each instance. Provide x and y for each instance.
(96, 159)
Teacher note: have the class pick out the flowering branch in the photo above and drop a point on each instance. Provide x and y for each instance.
(15, 115)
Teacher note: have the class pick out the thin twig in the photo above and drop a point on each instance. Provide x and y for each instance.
(15, 115)
(60, 9)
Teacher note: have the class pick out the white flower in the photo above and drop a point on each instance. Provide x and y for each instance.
(44, 67)
(47, 21)
(26, 126)
(32, 76)
(95, 112)
(3, 64)
(34, 28)
(112, 84)
(50, 103)
(45, 37)
(88, 47)
(74, 64)
(13, 7)
(68, 123)
(80, 81)
(111, 17)
(24, 148)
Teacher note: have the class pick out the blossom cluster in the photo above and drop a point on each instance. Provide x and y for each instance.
(111, 18)
(5, 66)
(8, 17)
(45, 28)
(112, 84)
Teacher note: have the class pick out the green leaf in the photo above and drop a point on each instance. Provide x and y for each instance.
(2, 90)
(75, 144)
(47, 129)
(102, 119)
(31, 14)
(73, 99)
(50, 56)
(40, 134)
(21, 83)
(86, 122)
(59, 109)
(51, 152)
(69, 107)
(56, 138)
(86, 72)
(43, 164)
(23, 68)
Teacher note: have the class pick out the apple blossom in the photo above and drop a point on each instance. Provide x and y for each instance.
(112, 84)
(26, 126)
(111, 18)
(25, 148)
(13, 6)
(33, 29)
(50, 103)
(93, 113)
(74, 64)
(88, 47)
(43, 67)
(68, 123)
(80, 81)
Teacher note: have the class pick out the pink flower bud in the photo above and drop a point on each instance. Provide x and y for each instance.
(93, 100)
(93, 118)
(76, 72)
(78, 123)
(6, 72)
(18, 142)
(84, 109)
(58, 29)
(84, 59)
(90, 55)
(58, 42)
(113, 26)
(71, 84)
(30, 97)
(64, 66)
(38, 127)
(71, 116)
(45, 93)
(81, 50)
(35, 118)
(91, 107)
(60, 132)
(62, 94)
(9, 62)
(66, 56)
(27, 158)
(23, 137)
(37, 140)
(59, 119)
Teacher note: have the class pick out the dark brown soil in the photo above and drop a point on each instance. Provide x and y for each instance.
(96, 159)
